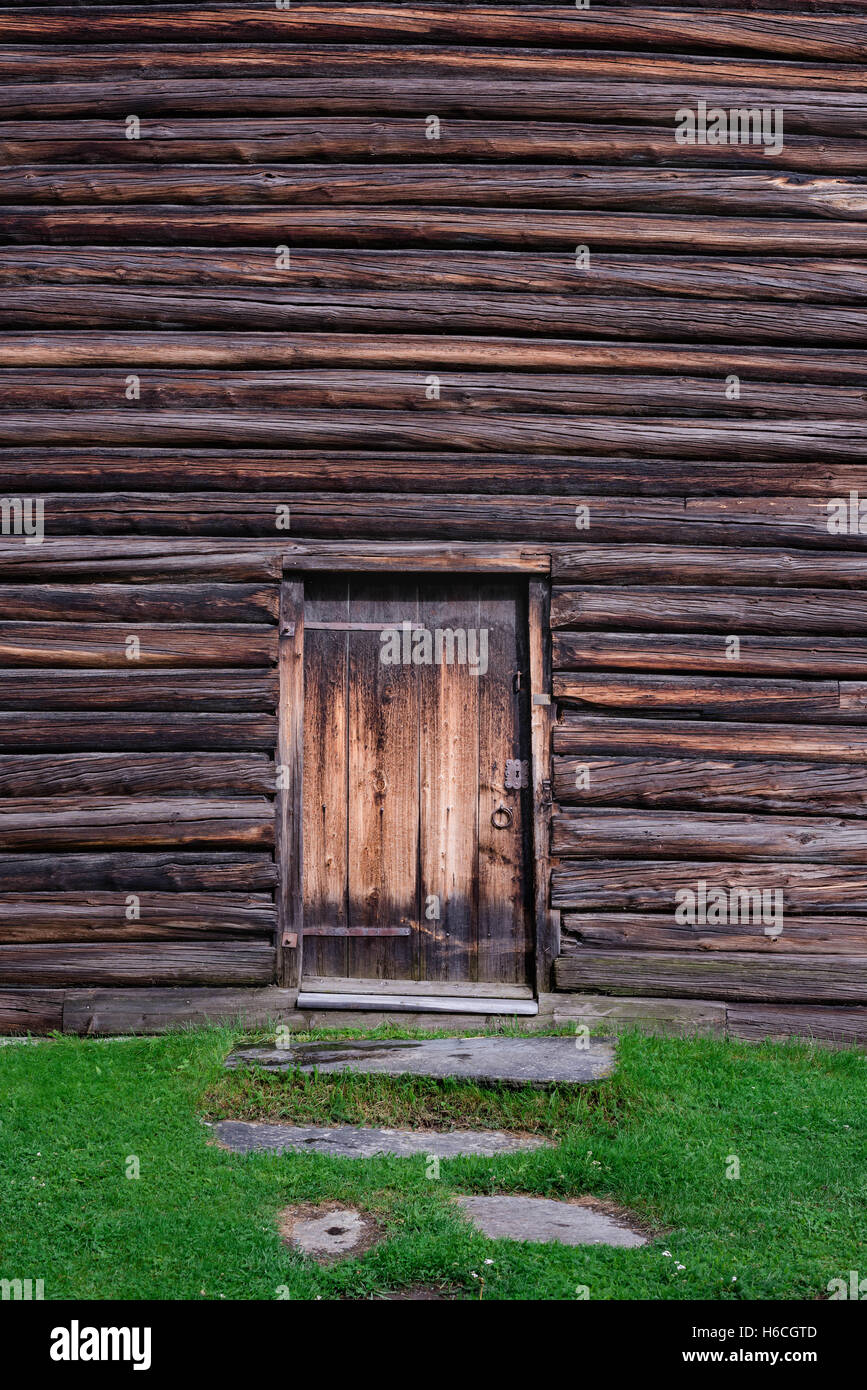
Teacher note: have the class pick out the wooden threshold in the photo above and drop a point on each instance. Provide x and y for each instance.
(419, 1003)
(452, 989)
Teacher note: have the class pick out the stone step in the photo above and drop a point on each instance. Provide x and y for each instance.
(536, 1061)
(355, 1141)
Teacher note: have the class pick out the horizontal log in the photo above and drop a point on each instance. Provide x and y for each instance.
(179, 140)
(651, 885)
(190, 603)
(844, 440)
(743, 697)
(93, 470)
(794, 280)
(119, 1011)
(751, 521)
(810, 107)
(105, 822)
(165, 224)
(412, 557)
(97, 917)
(695, 608)
(88, 349)
(482, 392)
(720, 565)
(581, 733)
(605, 833)
(756, 656)
(838, 37)
(69, 66)
(136, 774)
(652, 317)
(246, 690)
(709, 784)
(75, 732)
(847, 1026)
(236, 962)
(139, 560)
(31, 1010)
(106, 644)
(633, 931)
(166, 872)
(734, 975)
(725, 193)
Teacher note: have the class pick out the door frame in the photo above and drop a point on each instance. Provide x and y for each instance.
(418, 557)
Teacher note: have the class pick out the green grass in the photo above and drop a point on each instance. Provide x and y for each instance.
(656, 1138)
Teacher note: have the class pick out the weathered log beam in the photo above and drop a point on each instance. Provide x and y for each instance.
(98, 917)
(697, 192)
(726, 975)
(793, 279)
(711, 697)
(809, 108)
(584, 734)
(297, 311)
(690, 608)
(651, 885)
(107, 644)
(140, 560)
(78, 732)
(693, 652)
(164, 603)
(750, 521)
(613, 833)
(69, 65)
(174, 871)
(634, 931)
(180, 140)
(164, 224)
(483, 393)
(704, 784)
(841, 37)
(246, 690)
(159, 349)
(106, 822)
(79, 469)
(718, 565)
(236, 962)
(135, 774)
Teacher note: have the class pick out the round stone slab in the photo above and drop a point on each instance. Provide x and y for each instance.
(351, 1141)
(536, 1061)
(542, 1220)
(330, 1232)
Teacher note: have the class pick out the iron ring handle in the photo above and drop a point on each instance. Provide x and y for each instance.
(502, 818)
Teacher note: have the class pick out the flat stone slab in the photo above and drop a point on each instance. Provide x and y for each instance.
(537, 1061)
(542, 1220)
(351, 1141)
(330, 1232)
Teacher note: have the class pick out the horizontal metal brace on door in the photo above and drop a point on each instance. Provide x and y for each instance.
(364, 627)
(357, 931)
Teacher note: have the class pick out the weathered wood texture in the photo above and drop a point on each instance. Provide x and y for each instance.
(287, 305)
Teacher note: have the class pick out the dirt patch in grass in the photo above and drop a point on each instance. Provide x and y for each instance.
(329, 1231)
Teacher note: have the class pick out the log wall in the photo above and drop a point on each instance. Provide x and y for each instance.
(239, 243)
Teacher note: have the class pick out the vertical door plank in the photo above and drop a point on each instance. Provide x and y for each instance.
(288, 802)
(448, 947)
(325, 775)
(503, 917)
(383, 784)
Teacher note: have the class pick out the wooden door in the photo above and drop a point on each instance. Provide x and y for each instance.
(417, 806)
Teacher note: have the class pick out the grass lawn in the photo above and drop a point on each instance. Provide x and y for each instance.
(200, 1223)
